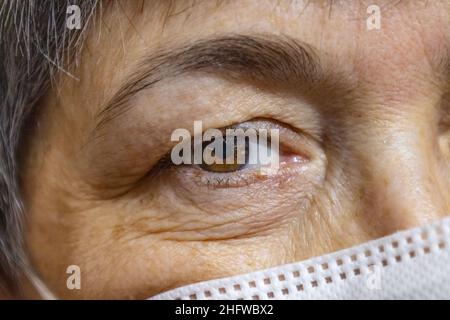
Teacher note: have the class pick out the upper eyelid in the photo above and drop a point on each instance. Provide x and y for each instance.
(267, 56)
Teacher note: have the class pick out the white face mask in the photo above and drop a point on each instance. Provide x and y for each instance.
(412, 264)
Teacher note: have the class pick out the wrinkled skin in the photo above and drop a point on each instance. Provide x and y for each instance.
(374, 145)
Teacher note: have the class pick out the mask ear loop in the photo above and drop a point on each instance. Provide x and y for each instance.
(42, 289)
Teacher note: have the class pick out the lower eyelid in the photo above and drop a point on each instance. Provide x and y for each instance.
(239, 178)
(242, 178)
(290, 164)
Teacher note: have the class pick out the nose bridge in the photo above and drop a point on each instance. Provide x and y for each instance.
(400, 179)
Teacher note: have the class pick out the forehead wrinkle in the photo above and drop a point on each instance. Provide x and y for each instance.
(167, 10)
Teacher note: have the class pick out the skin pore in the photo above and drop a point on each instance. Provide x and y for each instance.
(371, 129)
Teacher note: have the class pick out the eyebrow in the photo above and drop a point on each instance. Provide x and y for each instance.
(256, 57)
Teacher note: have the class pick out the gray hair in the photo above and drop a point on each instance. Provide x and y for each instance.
(35, 44)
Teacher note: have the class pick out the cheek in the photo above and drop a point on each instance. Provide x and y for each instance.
(196, 212)
(142, 245)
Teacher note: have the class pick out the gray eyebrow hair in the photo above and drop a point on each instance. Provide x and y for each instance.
(256, 57)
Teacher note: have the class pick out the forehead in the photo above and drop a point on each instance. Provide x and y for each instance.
(172, 17)
(335, 28)
(411, 43)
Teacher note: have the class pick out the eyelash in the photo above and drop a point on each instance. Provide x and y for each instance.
(227, 180)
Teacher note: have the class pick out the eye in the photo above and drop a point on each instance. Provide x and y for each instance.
(234, 155)
(227, 160)
(249, 152)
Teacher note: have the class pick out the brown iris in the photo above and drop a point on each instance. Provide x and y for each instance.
(229, 158)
